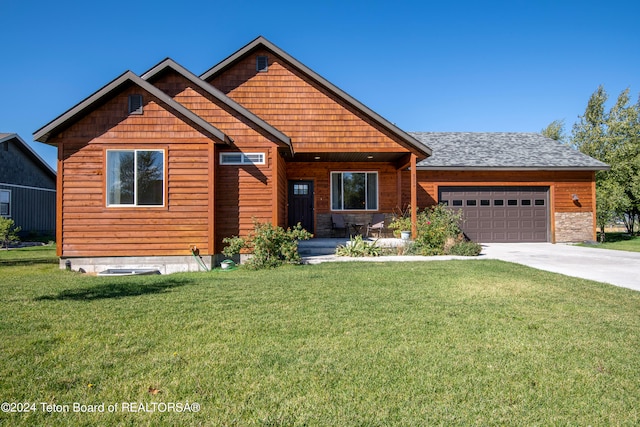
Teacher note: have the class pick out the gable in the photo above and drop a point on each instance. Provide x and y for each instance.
(318, 116)
(21, 165)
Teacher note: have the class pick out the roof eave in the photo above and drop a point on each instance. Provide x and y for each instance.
(219, 95)
(44, 133)
(30, 152)
(515, 168)
(423, 150)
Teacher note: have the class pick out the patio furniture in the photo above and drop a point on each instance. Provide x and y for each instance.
(338, 223)
(376, 224)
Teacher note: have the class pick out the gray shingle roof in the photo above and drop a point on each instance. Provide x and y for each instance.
(476, 150)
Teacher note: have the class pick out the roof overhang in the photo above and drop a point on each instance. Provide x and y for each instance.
(30, 152)
(512, 168)
(220, 96)
(407, 141)
(81, 109)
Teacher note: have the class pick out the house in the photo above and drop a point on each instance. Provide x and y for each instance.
(27, 188)
(153, 166)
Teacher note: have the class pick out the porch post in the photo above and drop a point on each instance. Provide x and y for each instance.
(414, 197)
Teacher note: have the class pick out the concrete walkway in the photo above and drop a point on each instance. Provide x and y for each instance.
(618, 268)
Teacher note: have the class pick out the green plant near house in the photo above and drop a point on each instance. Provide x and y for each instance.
(438, 232)
(271, 246)
(358, 247)
(8, 232)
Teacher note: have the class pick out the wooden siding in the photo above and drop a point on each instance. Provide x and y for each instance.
(315, 119)
(89, 227)
(242, 193)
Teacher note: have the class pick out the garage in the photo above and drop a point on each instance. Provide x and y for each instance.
(501, 213)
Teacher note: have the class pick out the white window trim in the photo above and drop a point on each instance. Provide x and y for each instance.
(135, 182)
(365, 193)
(244, 158)
(9, 203)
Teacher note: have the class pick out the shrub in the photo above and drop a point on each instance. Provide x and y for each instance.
(270, 245)
(358, 247)
(438, 231)
(466, 248)
(8, 232)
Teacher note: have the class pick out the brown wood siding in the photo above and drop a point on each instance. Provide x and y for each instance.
(315, 119)
(242, 192)
(282, 192)
(89, 227)
(320, 173)
(563, 184)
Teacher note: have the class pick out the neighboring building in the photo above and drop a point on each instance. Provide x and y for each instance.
(156, 164)
(27, 188)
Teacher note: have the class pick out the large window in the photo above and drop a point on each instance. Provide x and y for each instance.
(135, 177)
(354, 191)
(5, 203)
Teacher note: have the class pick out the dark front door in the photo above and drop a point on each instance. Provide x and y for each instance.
(301, 204)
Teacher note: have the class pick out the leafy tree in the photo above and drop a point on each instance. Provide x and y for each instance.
(555, 130)
(8, 232)
(614, 138)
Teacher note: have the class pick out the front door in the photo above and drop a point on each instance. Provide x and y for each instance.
(301, 204)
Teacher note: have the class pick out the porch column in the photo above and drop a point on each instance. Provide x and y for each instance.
(414, 197)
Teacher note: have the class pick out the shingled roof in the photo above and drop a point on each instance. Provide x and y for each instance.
(495, 151)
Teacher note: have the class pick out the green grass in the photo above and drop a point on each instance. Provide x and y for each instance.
(619, 241)
(434, 343)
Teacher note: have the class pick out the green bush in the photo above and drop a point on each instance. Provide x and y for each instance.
(438, 232)
(358, 247)
(8, 232)
(270, 245)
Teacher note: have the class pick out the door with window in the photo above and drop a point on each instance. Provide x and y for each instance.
(301, 204)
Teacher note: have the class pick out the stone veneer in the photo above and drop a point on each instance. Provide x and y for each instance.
(574, 226)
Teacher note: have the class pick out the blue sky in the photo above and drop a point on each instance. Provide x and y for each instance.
(491, 66)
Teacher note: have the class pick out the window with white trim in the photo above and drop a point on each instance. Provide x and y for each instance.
(354, 191)
(135, 177)
(5, 203)
(242, 158)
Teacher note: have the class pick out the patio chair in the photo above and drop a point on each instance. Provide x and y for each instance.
(337, 223)
(376, 224)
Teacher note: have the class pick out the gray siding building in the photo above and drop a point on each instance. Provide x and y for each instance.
(27, 188)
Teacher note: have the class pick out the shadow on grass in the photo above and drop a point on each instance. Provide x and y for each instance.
(115, 290)
(32, 261)
(619, 237)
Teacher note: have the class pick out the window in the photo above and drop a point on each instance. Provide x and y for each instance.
(135, 104)
(512, 202)
(484, 202)
(498, 203)
(525, 202)
(242, 158)
(262, 63)
(539, 202)
(354, 191)
(135, 177)
(471, 203)
(5, 203)
(457, 203)
(300, 189)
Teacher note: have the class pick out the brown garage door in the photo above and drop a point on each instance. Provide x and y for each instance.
(501, 214)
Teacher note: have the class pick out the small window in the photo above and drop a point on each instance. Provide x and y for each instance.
(262, 63)
(135, 104)
(539, 202)
(445, 202)
(457, 203)
(485, 202)
(498, 202)
(471, 203)
(512, 202)
(5, 203)
(242, 158)
(300, 189)
(525, 202)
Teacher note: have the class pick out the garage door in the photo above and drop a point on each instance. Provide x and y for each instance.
(501, 214)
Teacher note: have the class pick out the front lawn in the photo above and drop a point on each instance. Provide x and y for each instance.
(434, 343)
(619, 241)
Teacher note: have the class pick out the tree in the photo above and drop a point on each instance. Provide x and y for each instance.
(8, 232)
(555, 130)
(614, 138)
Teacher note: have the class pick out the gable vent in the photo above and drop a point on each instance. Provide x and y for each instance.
(135, 104)
(262, 63)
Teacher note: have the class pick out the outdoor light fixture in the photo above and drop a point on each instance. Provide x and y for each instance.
(575, 197)
(317, 157)
(369, 157)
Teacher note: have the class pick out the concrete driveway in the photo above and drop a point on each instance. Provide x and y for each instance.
(618, 268)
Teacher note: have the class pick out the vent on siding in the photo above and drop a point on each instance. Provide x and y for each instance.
(135, 104)
(262, 63)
